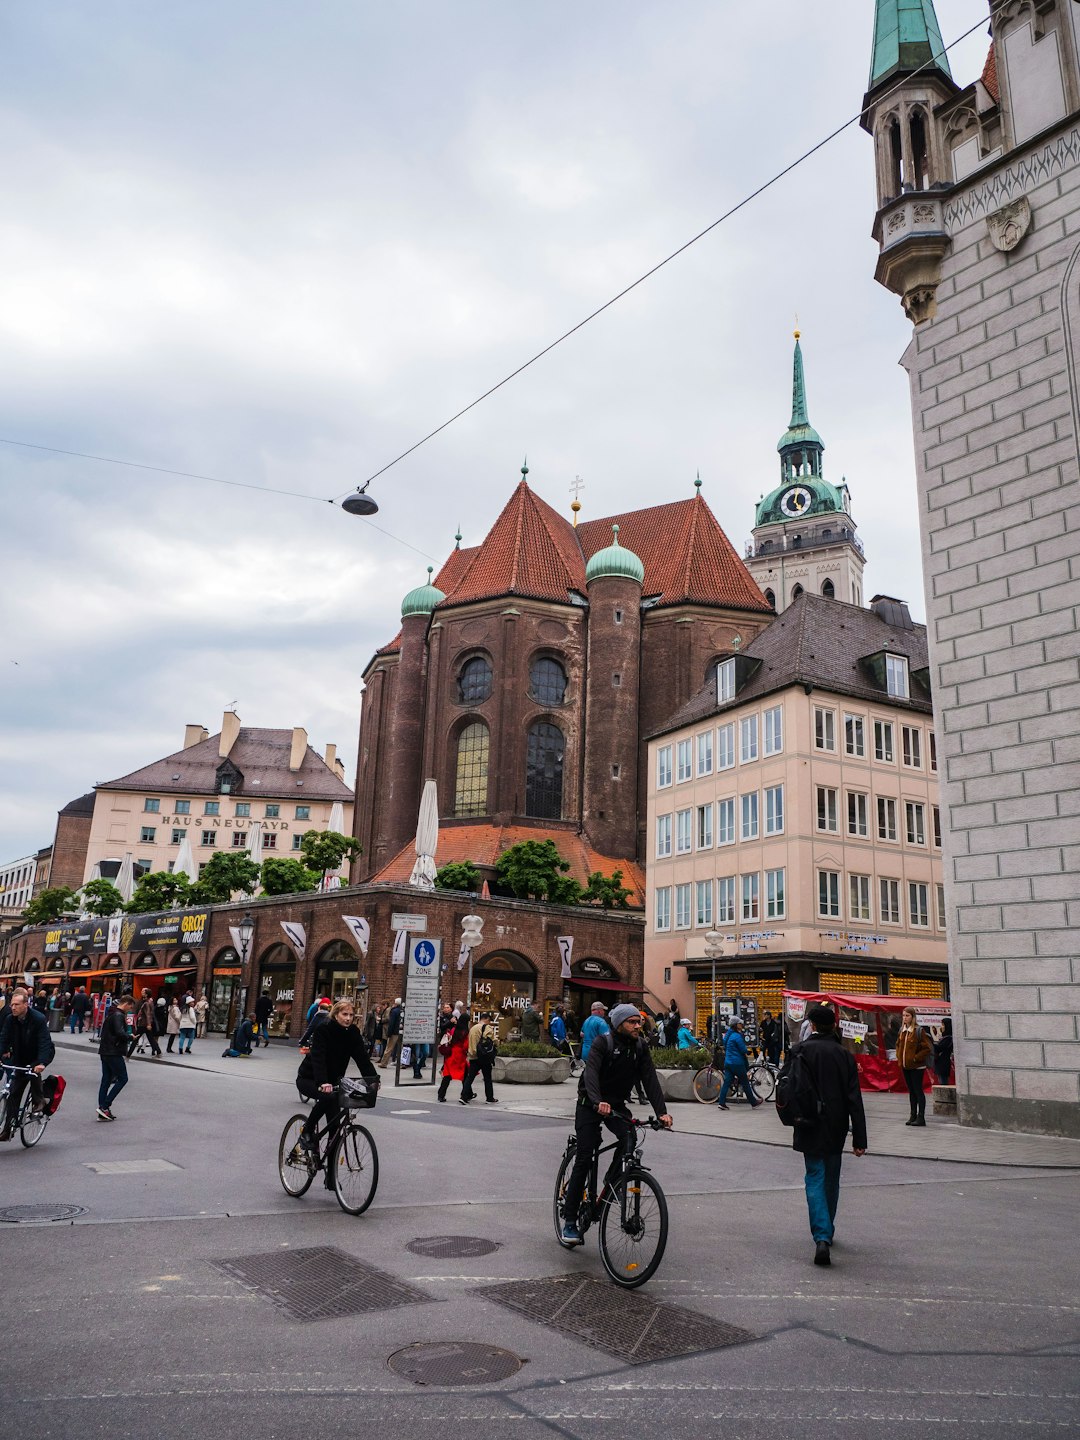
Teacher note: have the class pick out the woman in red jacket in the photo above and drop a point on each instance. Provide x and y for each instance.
(456, 1061)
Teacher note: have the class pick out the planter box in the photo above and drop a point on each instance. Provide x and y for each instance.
(521, 1070)
(677, 1084)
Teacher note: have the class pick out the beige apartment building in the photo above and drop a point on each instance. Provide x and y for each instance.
(213, 792)
(793, 808)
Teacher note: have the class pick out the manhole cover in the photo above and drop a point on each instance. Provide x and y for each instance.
(452, 1362)
(623, 1323)
(319, 1283)
(29, 1214)
(452, 1247)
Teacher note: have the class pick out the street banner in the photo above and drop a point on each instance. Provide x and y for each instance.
(421, 1018)
(360, 931)
(401, 940)
(566, 949)
(296, 935)
(463, 956)
(165, 931)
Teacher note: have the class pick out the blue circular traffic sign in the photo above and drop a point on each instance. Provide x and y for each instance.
(424, 953)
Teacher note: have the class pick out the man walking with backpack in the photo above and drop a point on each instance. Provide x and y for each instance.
(818, 1095)
(483, 1047)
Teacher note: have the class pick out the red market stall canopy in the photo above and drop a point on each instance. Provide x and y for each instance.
(868, 1027)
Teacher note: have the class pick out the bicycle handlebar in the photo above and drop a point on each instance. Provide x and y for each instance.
(17, 1069)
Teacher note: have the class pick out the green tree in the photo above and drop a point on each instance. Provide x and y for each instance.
(534, 870)
(325, 850)
(224, 874)
(458, 875)
(159, 891)
(51, 905)
(282, 875)
(101, 897)
(607, 891)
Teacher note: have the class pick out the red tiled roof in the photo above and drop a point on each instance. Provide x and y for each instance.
(483, 844)
(687, 557)
(990, 75)
(529, 551)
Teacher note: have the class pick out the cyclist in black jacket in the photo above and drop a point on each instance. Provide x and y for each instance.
(617, 1062)
(24, 1041)
(333, 1045)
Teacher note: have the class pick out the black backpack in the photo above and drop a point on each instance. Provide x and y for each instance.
(798, 1101)
(485, 1045)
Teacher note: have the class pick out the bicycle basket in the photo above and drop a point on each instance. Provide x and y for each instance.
(358, 1094)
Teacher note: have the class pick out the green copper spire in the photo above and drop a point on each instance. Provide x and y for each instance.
(800, 432)
(906, 36)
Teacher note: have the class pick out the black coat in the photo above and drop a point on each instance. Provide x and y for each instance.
(114, 1032)
(393, 1021)
(332, 1047)
(837, 1079)
(614, 1066)
(26, 1041)
(264, 1008)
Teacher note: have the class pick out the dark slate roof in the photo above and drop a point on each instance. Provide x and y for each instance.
(262, 756)
(84, 805)
(818, 642)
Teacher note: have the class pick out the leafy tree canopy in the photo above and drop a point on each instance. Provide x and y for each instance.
(534, 870)
(283, 875)
(101, 897)
(159, 891)
(607, 891)
(226, 873)
(51, 905)
(458, 875)
(326, 850)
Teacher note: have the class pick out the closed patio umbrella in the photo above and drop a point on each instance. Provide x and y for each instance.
(427, 838)
(337, 818)
(125, 878)
(185, 860)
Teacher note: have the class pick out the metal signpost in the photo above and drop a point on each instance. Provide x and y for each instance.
(420, 1012)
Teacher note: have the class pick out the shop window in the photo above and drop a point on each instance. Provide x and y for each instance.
(916, 987)
(544, 771)
(474, 681)
(547, 681)
(471, 772)
(848, 984)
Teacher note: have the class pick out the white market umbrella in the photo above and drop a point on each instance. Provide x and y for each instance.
(337, 818)
(255, 845)
(185, 860)
(427, 838)
(95, 872)
(125, 879)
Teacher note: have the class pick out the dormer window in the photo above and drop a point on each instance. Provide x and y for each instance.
(725, 680)
(896, 676)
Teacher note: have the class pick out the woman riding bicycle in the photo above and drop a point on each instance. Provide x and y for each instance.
(333, 1045)
(616, 1062)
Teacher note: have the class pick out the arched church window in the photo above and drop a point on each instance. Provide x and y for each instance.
(796, 592)
(828, 590)
(544, 771)
(771, 598)
(547, 681)
(474, 682)
(471, 774)
(920, 177)
(893, 158)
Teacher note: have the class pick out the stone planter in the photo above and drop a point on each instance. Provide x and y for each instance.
(521, 1070)
(677, 1084)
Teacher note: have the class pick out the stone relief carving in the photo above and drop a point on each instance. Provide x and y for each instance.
(925, 214)
(551, 629)
(1011, 182)
(896, 221)
(1008, 226)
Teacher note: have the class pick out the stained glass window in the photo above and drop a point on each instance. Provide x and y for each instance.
(470, 786)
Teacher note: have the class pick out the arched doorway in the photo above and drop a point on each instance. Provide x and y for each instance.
(277, 978)
(225, 994)
(504, 982)
(337, 975)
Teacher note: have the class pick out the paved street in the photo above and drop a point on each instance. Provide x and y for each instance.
(954, 1296)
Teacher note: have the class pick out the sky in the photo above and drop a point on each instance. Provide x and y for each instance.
(278, 244)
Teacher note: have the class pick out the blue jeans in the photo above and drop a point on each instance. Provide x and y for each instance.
(187, 1035)
(114, 1077)
(822, 1193)
(737, 1072)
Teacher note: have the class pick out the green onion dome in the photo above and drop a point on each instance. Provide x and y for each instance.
(615, 560)
(422, 600)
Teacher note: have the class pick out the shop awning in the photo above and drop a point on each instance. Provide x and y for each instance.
(587, 983)
(872, 1002)
(165, 970)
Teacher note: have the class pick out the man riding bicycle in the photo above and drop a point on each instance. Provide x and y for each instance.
(617, 1061)
(333, 1045)
(24, 1041)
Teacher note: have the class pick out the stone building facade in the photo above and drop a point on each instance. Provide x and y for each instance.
(978, 225)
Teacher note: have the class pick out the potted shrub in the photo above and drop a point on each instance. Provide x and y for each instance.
(526, 1062)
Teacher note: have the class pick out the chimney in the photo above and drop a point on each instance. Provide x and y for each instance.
(331, 756)
(193, 734)
(894, 612)
(230, 729)
(299, 748)
(339, 770)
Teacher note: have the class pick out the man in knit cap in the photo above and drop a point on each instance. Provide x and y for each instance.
(618, 1060)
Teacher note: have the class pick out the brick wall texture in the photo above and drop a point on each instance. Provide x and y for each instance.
(994, 396)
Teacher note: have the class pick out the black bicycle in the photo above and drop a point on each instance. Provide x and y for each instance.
(630, 1206)
(344, 1148)
(29, 1122)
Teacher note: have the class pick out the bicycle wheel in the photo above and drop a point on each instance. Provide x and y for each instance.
(763, 1079)
(295, 1166)
(631, 1249)
(707, 1084)
(33, 1125)
(562, 1180)
(355, 1168)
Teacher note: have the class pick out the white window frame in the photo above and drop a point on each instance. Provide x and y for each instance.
(935, 826)
(775, 894)
(825, 729)
(939, 895)
(911, 746)
(896, 676)
(915, 822)
(931, 750)
(858, 821)
(663, 836)
(684, 761)
(725, 746)
(855, 736)
(663, 907)
(703, 903)
(725, 681)
(919, 904)
(726, 899)
(887, 832)
(774, 809)
(750, 907)
(684, 831)
(884, 742)
(748, 738)
(683, 905)
(889, 901)
(663, 767)
(704, 752)
(859, 898)
(705, 827)
(726, 821)
(749, 816)
(828, 894)
(773, 728)
(148, 834)
(827, 811)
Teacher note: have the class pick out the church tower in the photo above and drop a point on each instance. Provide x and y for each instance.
(804, 537)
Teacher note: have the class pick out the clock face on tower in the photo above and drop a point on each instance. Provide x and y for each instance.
(796, 501)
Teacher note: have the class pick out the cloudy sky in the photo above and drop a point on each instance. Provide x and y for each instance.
(278, 243)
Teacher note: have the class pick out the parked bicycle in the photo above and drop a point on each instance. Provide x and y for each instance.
(630, 1207)
(344, 1148)
(710, 1078)
(29, 1122)
(573, 1052)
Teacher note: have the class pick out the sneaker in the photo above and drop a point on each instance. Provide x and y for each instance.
(571, 1235)
(492, 1101)
(720, 1107)
(108, 1111)
(821, 1253)
(103, 1114)
(306, 1143)
(463, 1101)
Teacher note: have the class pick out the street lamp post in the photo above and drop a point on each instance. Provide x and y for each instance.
(714, 950)
(472, 933)
(245, 932)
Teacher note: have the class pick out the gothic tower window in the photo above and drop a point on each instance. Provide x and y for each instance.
(544, 771)
(547, 681)
(893, 158)
(828, 590)
(474, 682)
(771, 598)
(471, 776)
(920, 175)
(796, 592)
